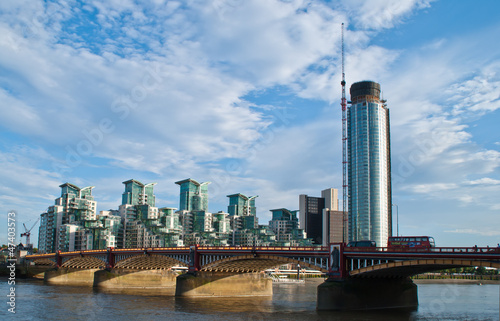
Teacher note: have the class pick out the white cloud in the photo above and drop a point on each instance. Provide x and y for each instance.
(432, 188)
(478, 95)
(382, 14)
(484, 181)
(474, 232)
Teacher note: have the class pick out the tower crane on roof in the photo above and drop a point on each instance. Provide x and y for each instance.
(27, 233)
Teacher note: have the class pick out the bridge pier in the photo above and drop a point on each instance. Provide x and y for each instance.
(161, 281)
(33, 271)
(220, 284)
(70, 276)
(367, 294)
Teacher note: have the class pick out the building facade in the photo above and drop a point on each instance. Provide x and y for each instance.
(137, 193)
(369, 165)
(72, 223)
(285, 225)
(314, 215)
(193, 195)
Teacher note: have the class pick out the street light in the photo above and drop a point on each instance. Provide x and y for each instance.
(397, 218)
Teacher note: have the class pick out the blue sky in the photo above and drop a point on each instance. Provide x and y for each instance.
(246, 94)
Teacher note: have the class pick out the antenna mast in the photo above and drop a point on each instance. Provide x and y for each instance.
(343, 103)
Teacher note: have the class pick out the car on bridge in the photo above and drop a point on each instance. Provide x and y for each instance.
(366, 243)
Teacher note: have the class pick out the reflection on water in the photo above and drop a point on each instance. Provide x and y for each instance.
(36, 301)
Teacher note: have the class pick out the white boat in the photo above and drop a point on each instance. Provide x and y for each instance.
(284, 279)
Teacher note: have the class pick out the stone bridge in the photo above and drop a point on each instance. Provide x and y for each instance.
(207, 259)
(358, 278)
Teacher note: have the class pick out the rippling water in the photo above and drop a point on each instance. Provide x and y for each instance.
(36, 301)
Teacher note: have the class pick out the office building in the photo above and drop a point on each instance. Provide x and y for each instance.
(315, 216)
(369, 165)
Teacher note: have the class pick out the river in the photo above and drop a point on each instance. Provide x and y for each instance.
(36, 301)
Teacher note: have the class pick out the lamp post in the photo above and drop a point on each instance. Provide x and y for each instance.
(397, 218)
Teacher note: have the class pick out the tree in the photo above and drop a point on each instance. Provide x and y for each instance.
(480, 270)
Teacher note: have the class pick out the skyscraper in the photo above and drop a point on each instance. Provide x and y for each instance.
(136, 193)
(194, 195)
(316, 215)
(61, 224)
(369, 165)
(241, 205)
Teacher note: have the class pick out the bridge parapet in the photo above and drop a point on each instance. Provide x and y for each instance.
(196, 257)
(256, 259)
(384, 262)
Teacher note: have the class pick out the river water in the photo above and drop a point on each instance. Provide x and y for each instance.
(36, 301)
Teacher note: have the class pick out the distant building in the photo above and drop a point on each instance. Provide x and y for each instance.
(243, 216)
(199, 226)
(57, 231)
(285, 225)
(73, 225)
(241, 205)
(193, 195)
(338, 226)
(109, 230)
(369, 165)
(316, 215)
(136, 193)
(145, 225)
(47, 231)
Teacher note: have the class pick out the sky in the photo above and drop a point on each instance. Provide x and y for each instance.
(246, 95)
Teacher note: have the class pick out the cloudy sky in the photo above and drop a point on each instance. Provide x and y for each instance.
(246, 94)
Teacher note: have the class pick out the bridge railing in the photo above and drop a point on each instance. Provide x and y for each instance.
(186, 248)
(265, 248)
(466, 249)
(489, 250)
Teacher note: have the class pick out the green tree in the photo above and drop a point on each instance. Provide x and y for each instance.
(480, 270)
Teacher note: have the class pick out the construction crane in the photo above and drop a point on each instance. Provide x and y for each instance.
(343, 104)
(27, 233)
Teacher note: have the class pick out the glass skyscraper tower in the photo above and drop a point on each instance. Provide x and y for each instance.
(369, 165)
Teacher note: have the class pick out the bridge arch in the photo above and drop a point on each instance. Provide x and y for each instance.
(252, 263)
(149, 262)
(45, 262)
(84, 262)
(400, 269)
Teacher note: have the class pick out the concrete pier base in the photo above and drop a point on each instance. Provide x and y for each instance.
(367, 294)
(208, 284)
(33, 271)
(126, 280)
(68, 276)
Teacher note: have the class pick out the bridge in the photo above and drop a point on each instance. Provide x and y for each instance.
(196, 258)
(384, 263)
(358, 278)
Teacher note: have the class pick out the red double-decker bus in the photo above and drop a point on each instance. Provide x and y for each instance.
(410, 242)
